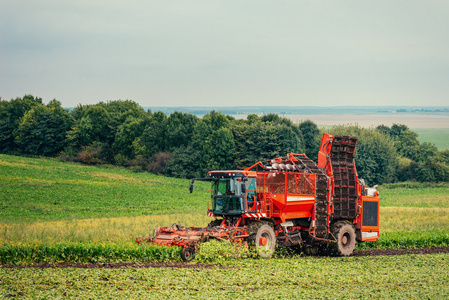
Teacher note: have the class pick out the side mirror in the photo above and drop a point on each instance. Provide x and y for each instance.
(191, 186)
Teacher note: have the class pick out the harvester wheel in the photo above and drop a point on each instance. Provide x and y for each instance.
(265, 241)
(344, 232)
(187, 253)
(214, 223)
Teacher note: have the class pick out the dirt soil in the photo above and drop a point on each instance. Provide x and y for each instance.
(114, 265)
(374, 252)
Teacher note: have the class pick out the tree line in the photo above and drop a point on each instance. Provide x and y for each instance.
(182, 145)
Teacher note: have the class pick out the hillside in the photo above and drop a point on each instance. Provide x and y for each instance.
(42, 189)
(45, 200)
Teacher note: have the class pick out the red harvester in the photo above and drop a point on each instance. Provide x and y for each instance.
(290, 201)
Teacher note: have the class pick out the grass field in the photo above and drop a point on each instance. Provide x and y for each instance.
(47, 201)
(437, 136)
(53, 212)
(48, 190)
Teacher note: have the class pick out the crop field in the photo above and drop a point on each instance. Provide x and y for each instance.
(53, 212)
(413, 121)
(404, 277)
(437, 136)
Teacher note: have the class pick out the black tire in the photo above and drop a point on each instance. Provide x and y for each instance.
(344, 232)
(187, 254)
(215, 223)
(265, 241)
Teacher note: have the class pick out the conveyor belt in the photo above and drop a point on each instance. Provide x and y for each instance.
(343, 168)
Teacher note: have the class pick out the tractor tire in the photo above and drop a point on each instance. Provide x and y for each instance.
(344, 232)
(265, 241)
(214, 223)
(187, 254)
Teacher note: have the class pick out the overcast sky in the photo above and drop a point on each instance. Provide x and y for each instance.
(226, 53)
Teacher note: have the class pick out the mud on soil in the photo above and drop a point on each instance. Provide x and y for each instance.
(373, 252)
(114, 265)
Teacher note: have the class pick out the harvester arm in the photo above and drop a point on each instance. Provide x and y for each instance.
(198, 179)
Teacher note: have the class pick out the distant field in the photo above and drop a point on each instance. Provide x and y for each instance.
(411, 120)
(437, 136)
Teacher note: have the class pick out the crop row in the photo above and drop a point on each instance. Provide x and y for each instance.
(392, 277)
(409, 240)
(85, 253)
(214, 252)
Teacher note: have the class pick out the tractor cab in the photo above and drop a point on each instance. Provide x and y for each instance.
(233, 193)
(228, 193)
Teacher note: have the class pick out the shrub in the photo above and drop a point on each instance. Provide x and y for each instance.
(158, 162)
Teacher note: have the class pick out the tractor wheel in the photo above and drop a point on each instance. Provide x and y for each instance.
(265, 241)
(215, 223)
(344, 232)
(187, 253)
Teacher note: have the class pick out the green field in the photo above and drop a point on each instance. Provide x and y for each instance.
(53, 212)
(437, 136)
(48, 190)
(48, 201)
(401, 277)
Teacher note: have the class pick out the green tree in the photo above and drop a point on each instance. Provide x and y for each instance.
(252, 118)
(406, 170)
(439, 168)
(179, 129)
(206, 126)
(186, 163)
(271, 117)
(220, 150)
(405, 140)
(376, 157)
(384, 129)
(42, 130)
(312, 138)
(101, 121)
(433, 169)
(444, 156)
(11, 113)
(263, 141)
(214, 139)
(277, 120)
(93, 126)
(126, 135)
(153, 137)
(119, 111)
(425, 150)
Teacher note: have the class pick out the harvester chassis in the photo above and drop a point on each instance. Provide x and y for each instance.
(319, 208)
(261, 236)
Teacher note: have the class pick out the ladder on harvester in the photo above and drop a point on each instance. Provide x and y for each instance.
(343, 169)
